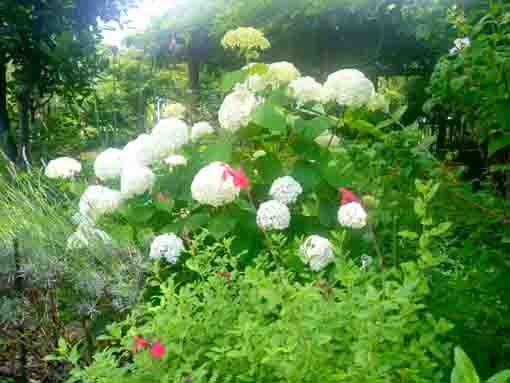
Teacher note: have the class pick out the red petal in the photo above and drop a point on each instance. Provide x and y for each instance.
(158, 350)
(139, 343)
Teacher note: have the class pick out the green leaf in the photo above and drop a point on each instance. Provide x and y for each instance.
(497, 143)
(408, 234)
(458, 83)
(221, 151)
(222, 224)
(397, 115)
(306, 174)
(230, 79)
(62, 346)
(464, 370)
(366, 127)
(270, 118)
(500, 377)
(441, 229)
(311, 129)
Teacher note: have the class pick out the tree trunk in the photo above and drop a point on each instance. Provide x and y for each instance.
(24, 125)
(7, 142)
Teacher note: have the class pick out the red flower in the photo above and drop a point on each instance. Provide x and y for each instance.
(158, 350)
(139, 343)
(162, 197)
(239, 177)
(348, 196)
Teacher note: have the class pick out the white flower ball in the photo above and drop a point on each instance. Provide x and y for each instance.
(326, 139)
(200, 129)
(352, 215)
(88, 238)
(167, 246)
(257, 83)
(141, 151)
(282, 73)
(460, 44)
(285, 190)
(108, 164)
(236, 109)
(176, 160)
(306, 89)
(273, 215)
(170, 134)
(349, 87)
(136, 180)
(211, 187)
(63, 167)
(174, 110)
(316, 252)
(98, 200)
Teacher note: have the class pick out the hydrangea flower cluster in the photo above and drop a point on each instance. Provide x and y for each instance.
(273, 215)
(167, 246)
(306, 89)
(174, 110)
(285, 190)
(201, 129)
(349, 87)
(236, 109)
(217, 184)
(108, 164)
(135, 180)
(176, 160)
(281, 73)
(245, 39)
(459, 44)
(98, 200)
(316, 251)
(352, 215)
(62, 167)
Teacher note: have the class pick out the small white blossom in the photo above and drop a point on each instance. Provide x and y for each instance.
(273, 215)
(98, 200)
(109, 164)
(236, 109)
(200, 129)
(141, 151)
(460, 44)
(316, 252)
(167, 246)
(176, 160)
(282, 73)
(170, 134)
(86, 237)
(63, 167)
(326, 139)
(173, 110)
(211, 187)
(349, 87)
(352, 215)
(285, 190)
(136, 180)
(306, 89)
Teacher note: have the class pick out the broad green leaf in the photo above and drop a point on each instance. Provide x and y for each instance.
(408, 234)
(441, 229)
(230, 79)
(311, 129)
(397, 115)
(366, 127)
(458, 82)
(306, 174)
(222, 224)
(464, 370)
(221, 151)
(500, 377)
(270, 118)
(498, 142)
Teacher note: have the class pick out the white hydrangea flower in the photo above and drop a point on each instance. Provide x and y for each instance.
(176, 160)
(201, 129)
(352, 215)
(170, 134)
(98, 200)
(460, 44)
(174, 110)
(167, 246)
(62, 167)
(281, 73)
(135, 180)
(245, 39)
(306, 89)
(349, 87)
(257, 83)
(273, 215)
(316, 252)
(378, 102)
(141, 151)
(236, 109)
(88, 237)
(285, 190)
(326, 139)
(211, 187)
(109, 164)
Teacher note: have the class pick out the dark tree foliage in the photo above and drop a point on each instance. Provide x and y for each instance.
(51, 46)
